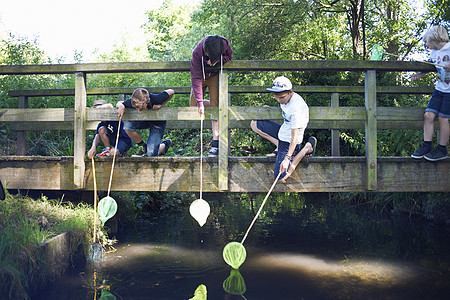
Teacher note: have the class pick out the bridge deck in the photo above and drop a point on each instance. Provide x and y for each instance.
(245, 174)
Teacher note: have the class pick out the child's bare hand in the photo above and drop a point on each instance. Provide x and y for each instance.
(289, 172)
(447, 67)
(156, 106)
(416, 76)
(91, 153)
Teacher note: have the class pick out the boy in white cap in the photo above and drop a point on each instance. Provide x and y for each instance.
(287, 137)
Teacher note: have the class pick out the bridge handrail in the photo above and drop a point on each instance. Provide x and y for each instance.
(369, 114)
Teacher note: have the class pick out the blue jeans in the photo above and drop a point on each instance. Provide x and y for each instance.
(155, 135)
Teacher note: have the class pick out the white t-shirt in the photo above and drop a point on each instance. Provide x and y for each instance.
(442, 57)
(295, 115)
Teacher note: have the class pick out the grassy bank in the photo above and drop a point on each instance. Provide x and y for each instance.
(25, 223)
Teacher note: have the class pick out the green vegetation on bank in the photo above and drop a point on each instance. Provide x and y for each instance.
(25, 223)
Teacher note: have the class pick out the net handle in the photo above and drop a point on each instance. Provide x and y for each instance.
(114, 156)
(95, 201)
(260, 208)
(201, 156)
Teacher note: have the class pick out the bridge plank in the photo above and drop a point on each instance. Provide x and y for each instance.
(246, 174)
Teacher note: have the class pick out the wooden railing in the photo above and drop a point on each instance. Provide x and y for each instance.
(81, 118)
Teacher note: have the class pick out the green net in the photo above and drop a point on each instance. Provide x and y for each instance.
(107, 208)
(377, 52)
(106, 295)
(200, 293)
(234, 284)
(199, 210)
(234, 254)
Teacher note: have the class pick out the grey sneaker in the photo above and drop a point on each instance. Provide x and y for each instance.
(141, 152)
(167, 144)
(423, 149)
(436, 154)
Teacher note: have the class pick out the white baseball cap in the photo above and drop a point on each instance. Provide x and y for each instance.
(281, 84)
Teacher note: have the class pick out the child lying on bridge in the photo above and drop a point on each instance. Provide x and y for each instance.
(107, 133)
(141, 100)
(287, 137)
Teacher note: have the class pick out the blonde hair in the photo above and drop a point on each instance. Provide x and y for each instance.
(139, 98)
(436, 33)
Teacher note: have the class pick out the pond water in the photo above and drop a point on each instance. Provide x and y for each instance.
(303, 246)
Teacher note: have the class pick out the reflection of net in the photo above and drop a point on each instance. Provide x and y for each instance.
(200, 293)
(377, 52)
(234, 284)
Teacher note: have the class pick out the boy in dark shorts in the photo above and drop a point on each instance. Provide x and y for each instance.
(436, 39)
(288, 136)
(141, 99)
(107, 134)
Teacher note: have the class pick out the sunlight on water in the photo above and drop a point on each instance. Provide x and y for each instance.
(365, 270)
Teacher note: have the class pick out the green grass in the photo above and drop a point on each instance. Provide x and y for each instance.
(26, 223)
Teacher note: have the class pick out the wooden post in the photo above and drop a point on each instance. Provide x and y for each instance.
(22, 134)
(335, 145)
(371, 129)
(223, 131)
(79, 136)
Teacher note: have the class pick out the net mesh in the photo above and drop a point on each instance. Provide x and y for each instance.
(234, 254)
(107, 208)
(377, 52)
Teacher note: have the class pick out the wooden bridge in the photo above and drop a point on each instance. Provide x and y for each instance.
(225, 173)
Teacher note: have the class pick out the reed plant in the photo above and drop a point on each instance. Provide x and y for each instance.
(25, 223)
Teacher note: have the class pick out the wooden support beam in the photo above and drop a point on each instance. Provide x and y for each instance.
(22, 134)
(371, 129)
(223, 131)
(335, 135)
(79, 139)
(246, 174)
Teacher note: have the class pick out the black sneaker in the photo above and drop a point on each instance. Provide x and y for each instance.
(436, 154)
(167, 144)
(423, 149)
(141, 152)
(213, 152)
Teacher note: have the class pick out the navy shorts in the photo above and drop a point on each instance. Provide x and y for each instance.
(439, 104)
(271, 128)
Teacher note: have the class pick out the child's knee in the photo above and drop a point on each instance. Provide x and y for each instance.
(429, 116)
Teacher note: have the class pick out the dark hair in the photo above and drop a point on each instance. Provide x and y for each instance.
(213, 46)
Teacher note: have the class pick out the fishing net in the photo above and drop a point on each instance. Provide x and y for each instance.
(377, 52)
(95, 253)
(234, 284)
(199, 210)
(234, 254)
(95, 249)
(107, 208)
(200, 293)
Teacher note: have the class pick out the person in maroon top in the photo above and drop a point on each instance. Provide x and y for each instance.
(210, 51)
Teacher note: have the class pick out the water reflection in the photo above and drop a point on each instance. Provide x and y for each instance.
(234, 284)
(299, 248)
